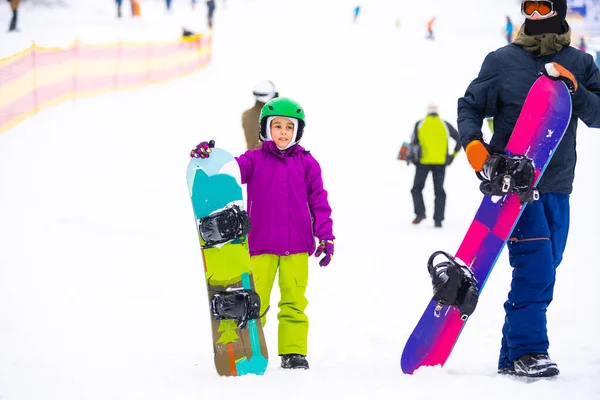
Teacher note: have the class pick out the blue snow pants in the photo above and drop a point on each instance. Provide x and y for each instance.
(535, 250)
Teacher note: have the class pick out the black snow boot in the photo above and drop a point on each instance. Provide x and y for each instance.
(293, 361)
(418, 219)
(532, 366)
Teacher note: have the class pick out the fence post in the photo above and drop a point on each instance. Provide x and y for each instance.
(118, 63)
(75, 67)
(148, 60)
(34, 76)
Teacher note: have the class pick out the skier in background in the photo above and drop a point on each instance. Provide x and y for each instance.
(135, 8)
(582, 45)
(119, 4)
(356, 12)
(540, 236)
(263, 92)
(210, 5)
(14, 6)
(168, 4)
(288, 208)
(429, 153)
(430, 34)
(509, 30)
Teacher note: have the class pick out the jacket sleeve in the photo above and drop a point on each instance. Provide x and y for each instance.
(246, 164)
(414, 139)
(454, 135)
(586, 100)
(479, 101)
(317, 201)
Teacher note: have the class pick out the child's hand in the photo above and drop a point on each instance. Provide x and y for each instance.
(325, 247)
(202, 150)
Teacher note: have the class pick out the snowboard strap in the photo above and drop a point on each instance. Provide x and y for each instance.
(224, 226)
(240, 305)
(453, 285)
(502, 175)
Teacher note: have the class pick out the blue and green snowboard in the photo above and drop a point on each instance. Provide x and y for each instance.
(214, 185)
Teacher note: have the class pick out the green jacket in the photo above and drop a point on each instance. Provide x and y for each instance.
(431, 135)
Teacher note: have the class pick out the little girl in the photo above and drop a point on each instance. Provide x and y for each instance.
(288, 208)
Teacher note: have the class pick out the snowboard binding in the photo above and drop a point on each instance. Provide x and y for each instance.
(502, 175)
(239, 304)
(453, 285)
(224, 226)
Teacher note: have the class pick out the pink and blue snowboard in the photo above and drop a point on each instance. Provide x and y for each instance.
(542, 123)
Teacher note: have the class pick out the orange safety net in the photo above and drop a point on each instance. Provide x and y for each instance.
(40, 77)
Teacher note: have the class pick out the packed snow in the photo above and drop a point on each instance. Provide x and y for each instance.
(102, 292)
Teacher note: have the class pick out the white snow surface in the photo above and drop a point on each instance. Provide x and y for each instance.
(102, 292)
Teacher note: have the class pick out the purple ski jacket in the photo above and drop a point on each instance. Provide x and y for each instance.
(287, 203)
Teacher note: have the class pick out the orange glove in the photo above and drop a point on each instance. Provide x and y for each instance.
(558, 72)
(477, 153)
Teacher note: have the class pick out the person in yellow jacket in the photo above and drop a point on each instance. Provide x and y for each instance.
(429, 152)
(263, 92)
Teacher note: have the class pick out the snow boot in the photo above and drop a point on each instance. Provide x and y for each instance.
(293, 361)
(418, 219)
(535, 366)
(532, 366)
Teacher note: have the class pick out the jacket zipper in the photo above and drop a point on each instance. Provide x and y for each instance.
(312, 229)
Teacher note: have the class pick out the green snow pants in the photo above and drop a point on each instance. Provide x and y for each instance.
(293, 278)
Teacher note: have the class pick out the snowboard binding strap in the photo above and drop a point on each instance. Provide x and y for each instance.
(502, 175)
(453, 285)
(223, 226)
(240, 305)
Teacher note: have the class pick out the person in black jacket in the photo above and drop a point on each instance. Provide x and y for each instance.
(539, 238)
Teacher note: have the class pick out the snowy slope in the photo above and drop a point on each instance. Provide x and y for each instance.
(101, 288)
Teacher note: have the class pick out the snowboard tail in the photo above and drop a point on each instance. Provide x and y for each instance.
(542, 123)
(214, 185)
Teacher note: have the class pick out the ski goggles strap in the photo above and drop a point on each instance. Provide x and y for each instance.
(542, 8)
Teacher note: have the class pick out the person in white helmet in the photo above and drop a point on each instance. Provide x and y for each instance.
(263, 92)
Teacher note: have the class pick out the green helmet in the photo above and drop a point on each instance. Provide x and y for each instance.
(281, 107)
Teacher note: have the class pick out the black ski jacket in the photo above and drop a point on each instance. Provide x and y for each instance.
(499, 91)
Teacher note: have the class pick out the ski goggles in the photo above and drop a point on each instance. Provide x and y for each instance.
(542, 8)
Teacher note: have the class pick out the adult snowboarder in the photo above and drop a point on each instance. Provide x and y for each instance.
(539, 238)
(263, 92)
(429, 153)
